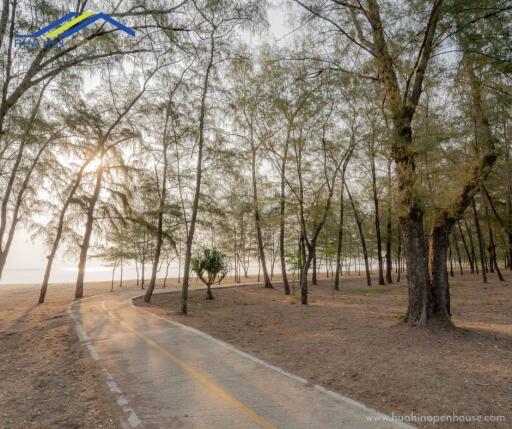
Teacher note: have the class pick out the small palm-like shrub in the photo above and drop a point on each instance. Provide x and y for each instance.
(211, 267)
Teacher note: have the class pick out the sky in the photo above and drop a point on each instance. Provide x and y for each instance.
(26, 261)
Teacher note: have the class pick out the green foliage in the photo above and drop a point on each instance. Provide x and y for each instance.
(295, 261)
(211, 262)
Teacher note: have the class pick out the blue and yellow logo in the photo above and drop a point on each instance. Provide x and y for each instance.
(70, 24)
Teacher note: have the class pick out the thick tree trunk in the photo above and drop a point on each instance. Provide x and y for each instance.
(403, 108)
(439, 238)
(420, 293)
(444, 220)
(438, 245)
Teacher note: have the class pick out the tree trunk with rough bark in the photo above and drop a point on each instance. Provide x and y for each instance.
(438, 245)
(403, 108)
(415, 249)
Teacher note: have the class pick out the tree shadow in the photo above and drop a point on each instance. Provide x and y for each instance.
(16, 324)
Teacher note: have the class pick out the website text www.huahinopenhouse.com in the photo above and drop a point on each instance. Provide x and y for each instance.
(450, 418)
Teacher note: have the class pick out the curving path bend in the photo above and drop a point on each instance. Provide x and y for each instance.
(167, 375)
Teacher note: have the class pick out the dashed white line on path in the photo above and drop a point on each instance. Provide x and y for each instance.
(132, 420)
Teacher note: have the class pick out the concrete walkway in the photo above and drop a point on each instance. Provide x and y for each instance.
(166, 375)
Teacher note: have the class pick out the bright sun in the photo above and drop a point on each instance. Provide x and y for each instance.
(94, 164)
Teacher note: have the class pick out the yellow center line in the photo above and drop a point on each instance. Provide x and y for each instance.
(195, 374)
(69, 24)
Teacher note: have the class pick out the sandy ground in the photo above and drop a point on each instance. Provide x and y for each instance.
(47, 380)
(353, 342)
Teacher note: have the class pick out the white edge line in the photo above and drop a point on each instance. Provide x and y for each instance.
(132, 418)
(298, 379)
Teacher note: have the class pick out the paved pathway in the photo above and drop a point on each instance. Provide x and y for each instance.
(166, 375)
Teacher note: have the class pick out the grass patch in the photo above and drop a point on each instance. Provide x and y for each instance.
(398, 316)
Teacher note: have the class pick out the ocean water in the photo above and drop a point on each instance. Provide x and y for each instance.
(26, 263)
(67, 274)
